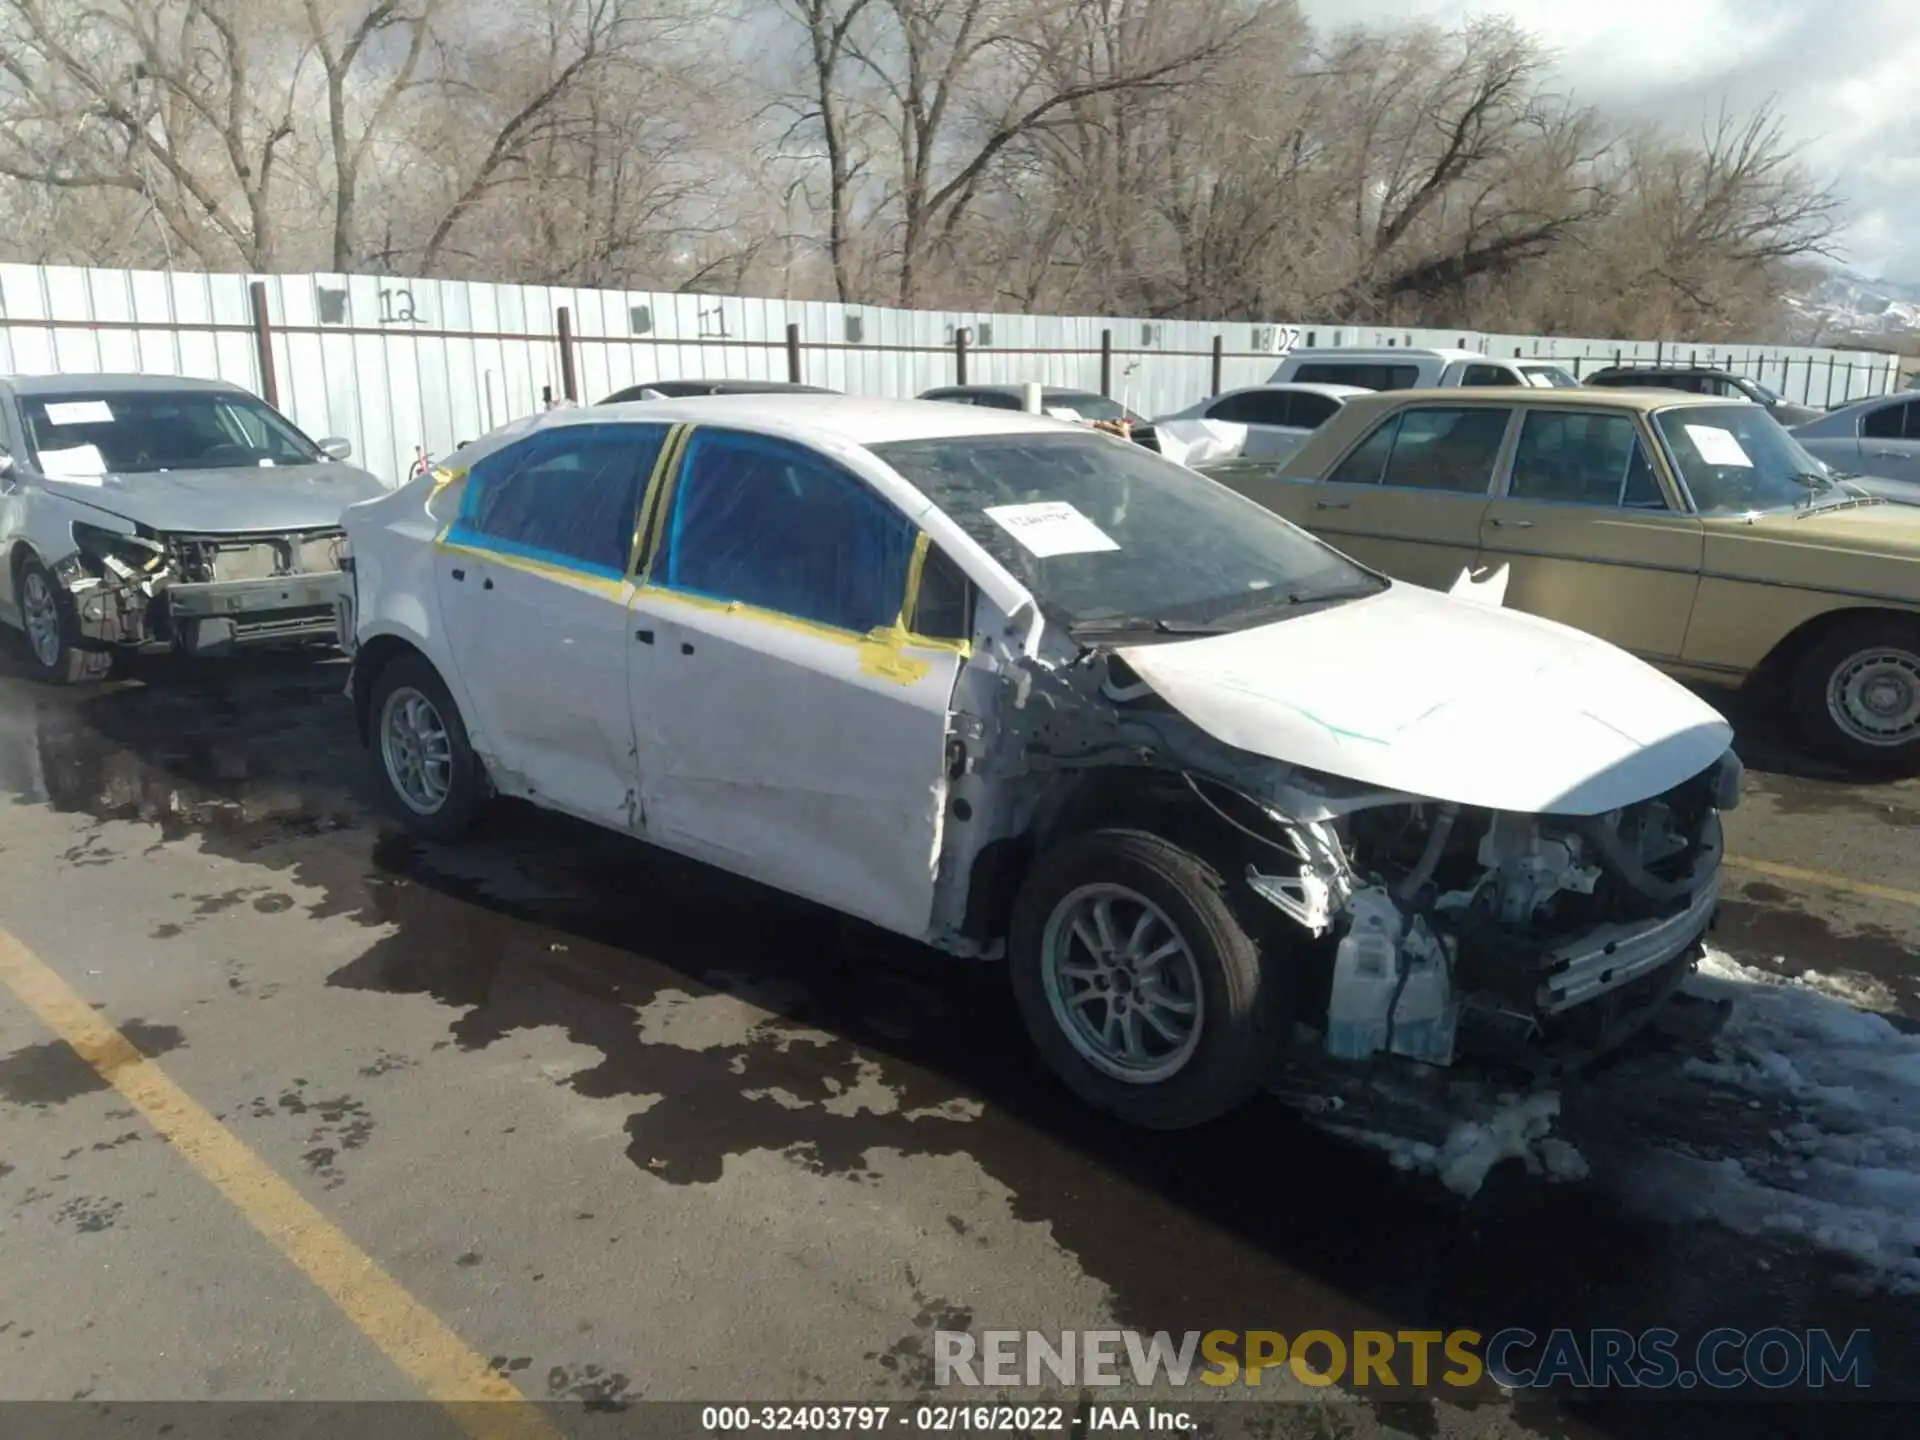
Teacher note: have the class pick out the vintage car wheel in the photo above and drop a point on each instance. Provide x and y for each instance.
(1856, 694)
(52, 629)
(1137, 982)
(426, 769)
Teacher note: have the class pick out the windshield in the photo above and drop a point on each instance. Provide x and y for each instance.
(1086, 406)
(79, 434)
(1103, 531)
(1738, 459)
(1549, 377)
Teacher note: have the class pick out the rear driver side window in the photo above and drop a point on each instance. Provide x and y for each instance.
(569, 494)
(1437, 448)
(775, 526)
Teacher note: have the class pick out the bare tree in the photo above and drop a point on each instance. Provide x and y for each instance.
(366, 24)
(191, 103)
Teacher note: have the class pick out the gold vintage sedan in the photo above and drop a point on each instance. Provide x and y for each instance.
(1691, 530)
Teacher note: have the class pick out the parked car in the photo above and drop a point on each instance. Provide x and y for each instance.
(1702, 380)
(1547, 375)
(1395, 369)
(1257, 422)
(144, 512)
(996, 683)
(1693, 531)
(1880, 437)
(1087, 405)
(680, 389)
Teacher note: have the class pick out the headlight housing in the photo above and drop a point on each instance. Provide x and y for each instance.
(127, 556)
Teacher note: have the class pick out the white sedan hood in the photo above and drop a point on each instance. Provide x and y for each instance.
(1415, 691)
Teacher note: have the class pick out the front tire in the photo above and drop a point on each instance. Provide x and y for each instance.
(52, 629)
(1139, 985)
(425, 768)
(1856, 694)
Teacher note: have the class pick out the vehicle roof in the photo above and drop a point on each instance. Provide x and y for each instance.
(1385, 352)
(1010, 390)
(113, 384)
(848, 419)
(1896, 397)
(724, 385)
(1651, 369)
(1304, 387)
(1624, 398)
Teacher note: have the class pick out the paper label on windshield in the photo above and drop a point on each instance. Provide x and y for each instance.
(82, 462)
(1717, 446)
(79, 412)
(1061, 412)
(1051, 527)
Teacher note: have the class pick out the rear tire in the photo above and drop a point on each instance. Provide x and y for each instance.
(427, 773)
(51, 629)
(1855, 694)
(1163, 1044)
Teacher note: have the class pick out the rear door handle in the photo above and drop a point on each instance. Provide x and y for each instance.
(459, 574)
(1887, 454)
(1333, 504)
(1513, 524)
(645, 637)
(487, 584)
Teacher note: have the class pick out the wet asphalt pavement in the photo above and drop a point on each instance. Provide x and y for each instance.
(638, 1131)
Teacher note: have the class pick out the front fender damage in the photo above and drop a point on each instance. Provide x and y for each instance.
(1540, 942)
(117, 591)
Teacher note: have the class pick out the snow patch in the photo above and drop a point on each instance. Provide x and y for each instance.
(1842, 1169)
(1502, 1127)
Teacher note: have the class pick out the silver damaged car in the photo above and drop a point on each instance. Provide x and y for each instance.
(149, 512)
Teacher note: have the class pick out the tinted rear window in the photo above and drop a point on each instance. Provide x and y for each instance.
(1368, 375)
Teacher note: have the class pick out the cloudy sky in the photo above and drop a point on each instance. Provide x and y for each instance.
(1846, 75)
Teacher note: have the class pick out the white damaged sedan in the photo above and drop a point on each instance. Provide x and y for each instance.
(1019, 690)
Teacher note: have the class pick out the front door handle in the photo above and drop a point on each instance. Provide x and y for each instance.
(487, 584)
(1886, 454)
(459, 574)
(1332, 504)
(645, 637)
(1513, 524)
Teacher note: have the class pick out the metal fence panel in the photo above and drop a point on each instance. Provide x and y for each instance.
(402, 367)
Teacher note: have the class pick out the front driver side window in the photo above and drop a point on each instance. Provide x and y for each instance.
(567, 495)
(773, 525)
(1891, 422)
(1576, 458)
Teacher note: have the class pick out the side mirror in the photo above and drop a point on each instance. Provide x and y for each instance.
(336, 448)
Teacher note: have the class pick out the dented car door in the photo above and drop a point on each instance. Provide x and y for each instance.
(533, 579)
(791, 726)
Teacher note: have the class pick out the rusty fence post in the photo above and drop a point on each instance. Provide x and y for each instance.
(1106, 363)
(569, 379)
(263, 343)
(960, 355)
(1218, 380)
(793, 354)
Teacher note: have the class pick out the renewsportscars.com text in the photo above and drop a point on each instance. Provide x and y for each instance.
(1516, 1359)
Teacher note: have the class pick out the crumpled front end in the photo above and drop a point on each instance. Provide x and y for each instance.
(202, 594)
(1532, 940)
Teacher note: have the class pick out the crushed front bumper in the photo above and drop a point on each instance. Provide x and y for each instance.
(235, 614)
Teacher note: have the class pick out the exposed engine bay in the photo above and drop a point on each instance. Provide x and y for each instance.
(202, 593)
(1429, 930)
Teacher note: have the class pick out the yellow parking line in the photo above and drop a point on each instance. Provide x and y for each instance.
(404, 1330)
(1826, 881)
